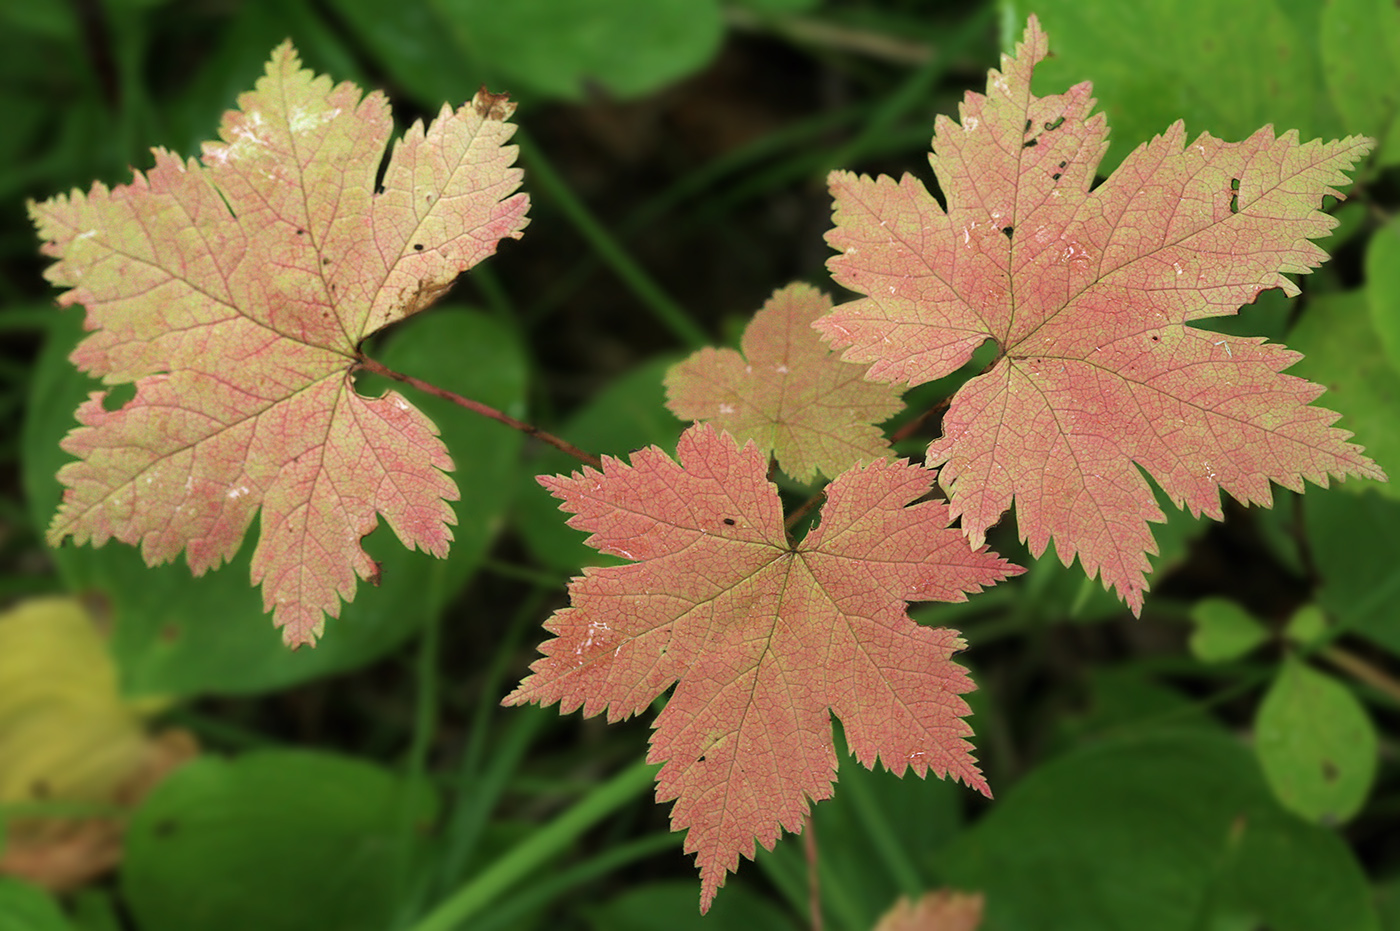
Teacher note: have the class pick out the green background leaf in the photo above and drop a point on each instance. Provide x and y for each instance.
(273, 840)
(1316, 744)
(1159, 832)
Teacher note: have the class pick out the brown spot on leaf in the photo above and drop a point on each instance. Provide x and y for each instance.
(423, 296)
(492, 106)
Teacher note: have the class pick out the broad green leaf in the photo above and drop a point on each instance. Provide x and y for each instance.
(416, 46)
(1226, 72)
(1166, 832)
(1360, 43)
(1224, 630)
(1316, 744)
(1383, 289)
(1126, 699)
(1343, 352)
(275, 840)
(180, 635)
(1355, 544)
(778, 7)
(670, 906)
(627, 414)
(622, 48)
(25, 908)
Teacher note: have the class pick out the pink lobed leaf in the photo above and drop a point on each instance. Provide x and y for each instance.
(763, 639)
(234, 291)
(1088, 295)
(788, 392)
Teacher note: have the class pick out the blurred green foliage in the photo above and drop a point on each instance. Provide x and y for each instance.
(1210, 765)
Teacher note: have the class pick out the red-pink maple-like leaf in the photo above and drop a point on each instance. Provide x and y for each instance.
(234, 291)
(1088, 295)
(762, 638)
(788, 392)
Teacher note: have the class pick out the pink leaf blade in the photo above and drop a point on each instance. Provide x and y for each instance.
(1088, 294)
(234, 292)
(436, 216)
(750, 630)
(887, 234)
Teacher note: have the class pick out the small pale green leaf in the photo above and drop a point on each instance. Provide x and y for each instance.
(1316, 743)
(1343, 352)
(787, 392)
(277, 840)
(1307, 626)
(1224, 630)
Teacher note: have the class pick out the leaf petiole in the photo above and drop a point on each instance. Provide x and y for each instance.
(485, 410)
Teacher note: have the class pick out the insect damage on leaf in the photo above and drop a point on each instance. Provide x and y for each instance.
(788, 392)
(234, 291)
(1089, 296)
(762, 639)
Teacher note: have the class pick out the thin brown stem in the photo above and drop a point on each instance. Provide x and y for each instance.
(803, 508)
(813, 31)
(912, 425)
(814, 888)
(1362, 671)
(369, 365)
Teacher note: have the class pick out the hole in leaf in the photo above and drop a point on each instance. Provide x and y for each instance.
(325, 261)
(729, 521)
(417, 247)
(301, 232)
(1030, 144)
(1064, 165)
(1055, 176)
(1235, 197)
(118, 397)
(1056, 124)
(1008, 230)
(1028, 127)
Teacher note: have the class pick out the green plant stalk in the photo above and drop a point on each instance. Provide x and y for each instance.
(510, 911)
(540, 847)
(425, 722)
(667, 312)
(892, 853)
(915, 90)
(477, 793)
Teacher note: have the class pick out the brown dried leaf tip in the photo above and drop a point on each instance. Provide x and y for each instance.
(492, 106)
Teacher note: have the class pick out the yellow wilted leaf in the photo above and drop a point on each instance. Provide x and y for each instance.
(68, 736)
